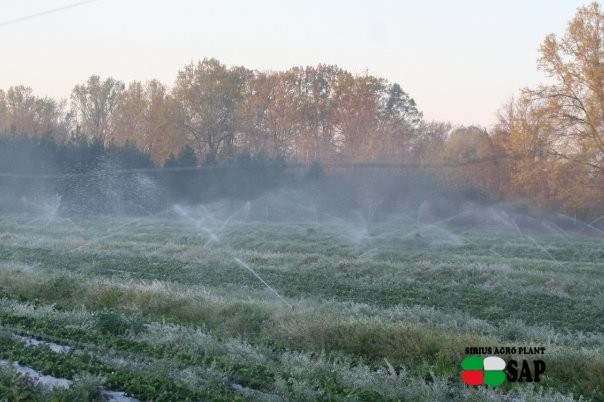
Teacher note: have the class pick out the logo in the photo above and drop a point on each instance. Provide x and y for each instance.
(477, 371)
(493, 371)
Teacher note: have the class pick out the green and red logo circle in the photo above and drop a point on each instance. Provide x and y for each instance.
(478, 370)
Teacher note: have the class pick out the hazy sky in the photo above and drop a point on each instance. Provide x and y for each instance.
(460, 60)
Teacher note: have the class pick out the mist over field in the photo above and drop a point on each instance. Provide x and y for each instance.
(303, 235)
(256, 280)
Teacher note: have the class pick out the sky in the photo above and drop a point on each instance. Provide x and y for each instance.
(460, 60)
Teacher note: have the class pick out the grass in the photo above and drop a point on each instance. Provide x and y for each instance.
(160, 309)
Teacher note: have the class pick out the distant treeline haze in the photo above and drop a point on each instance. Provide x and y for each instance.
(547, 146)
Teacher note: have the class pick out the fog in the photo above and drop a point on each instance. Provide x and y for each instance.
(351, 201)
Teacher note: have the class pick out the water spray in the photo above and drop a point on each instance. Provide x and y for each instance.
(596, 220)
(244, 265)
(435, 224)
(552, 226)
(535, 243)
(214, 237)
(589, 225)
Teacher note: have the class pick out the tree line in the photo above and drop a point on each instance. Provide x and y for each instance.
(304, 114)
(547, 146)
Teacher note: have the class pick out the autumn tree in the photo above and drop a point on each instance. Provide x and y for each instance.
(21, 112)
(251, 114)
(575, 100)
(317, 104)
(269, 113)
(428, 142)
(399, 122)
(207, 94)
(146, 115)
(92, 106)
(554, 135)
(374, 120)
(534, 169)
(357, 114)
(525, 135)
(470, 162)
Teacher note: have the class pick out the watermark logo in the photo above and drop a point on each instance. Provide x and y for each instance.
(478, 370)
(494, 371)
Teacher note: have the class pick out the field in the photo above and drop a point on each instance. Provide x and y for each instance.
(169, 308)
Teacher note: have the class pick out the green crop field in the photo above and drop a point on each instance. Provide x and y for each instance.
(168, 309)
